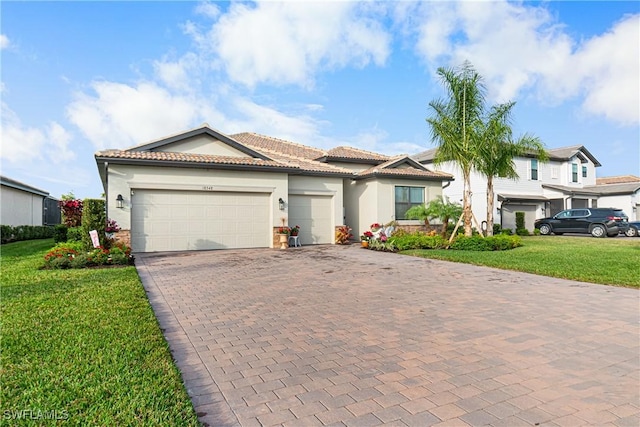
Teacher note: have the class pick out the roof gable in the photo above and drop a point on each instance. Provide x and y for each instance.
(405, 167)
(201, 141)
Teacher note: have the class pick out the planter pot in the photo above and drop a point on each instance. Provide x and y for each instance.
(284, 240)
(364, 244)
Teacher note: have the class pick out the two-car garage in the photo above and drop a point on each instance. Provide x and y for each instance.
(178, 220)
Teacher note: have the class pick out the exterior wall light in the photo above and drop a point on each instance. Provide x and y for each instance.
(119, 201)
(281, 204)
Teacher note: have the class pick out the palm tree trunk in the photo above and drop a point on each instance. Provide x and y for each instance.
(466, 203)
(490, 201)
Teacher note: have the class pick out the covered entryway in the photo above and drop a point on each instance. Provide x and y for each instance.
(175, 220)
(313, 213)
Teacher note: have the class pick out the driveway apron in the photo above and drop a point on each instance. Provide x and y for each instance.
(338, 335)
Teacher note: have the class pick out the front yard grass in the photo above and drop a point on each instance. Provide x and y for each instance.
(82, 345)
(610, 261)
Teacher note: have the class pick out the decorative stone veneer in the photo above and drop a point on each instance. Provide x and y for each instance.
(422, 227)
(123, 236)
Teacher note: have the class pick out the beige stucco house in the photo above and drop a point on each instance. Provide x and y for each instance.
(202, 189)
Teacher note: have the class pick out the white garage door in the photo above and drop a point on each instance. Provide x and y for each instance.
(509, 215)
(168, 220)
(314, 216)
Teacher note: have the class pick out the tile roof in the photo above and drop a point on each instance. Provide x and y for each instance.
(279, 145)
(278, 153)
(605, 180)
(355, 154)
(187, 157)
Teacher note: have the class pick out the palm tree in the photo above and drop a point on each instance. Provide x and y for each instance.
(498, 150)
(440, 208)
(456, 125)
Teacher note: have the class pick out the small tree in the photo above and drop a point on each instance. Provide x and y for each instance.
(94, 217)
(440, 208)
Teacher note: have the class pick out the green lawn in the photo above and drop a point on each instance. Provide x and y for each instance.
(83, 345)
(611, 261)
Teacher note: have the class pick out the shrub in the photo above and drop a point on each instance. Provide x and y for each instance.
(492, 243)
(473, 243)
(65, 251)
(60, 233)
(74, 234)
(94, 217)
(71, 212)
(497, 229)
(418, 240)
(522, 232)
(519, 220)
(98, 256)
(118, 257)
(343, 234)
(80, 261)
(60, 263)
(25, 232)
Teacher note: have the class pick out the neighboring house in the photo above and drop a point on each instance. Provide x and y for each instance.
(23, 204)
(203, 189)
(620, 192)
(567, 180)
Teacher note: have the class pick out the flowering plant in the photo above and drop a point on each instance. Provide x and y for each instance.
(295, 230)
(366, 236)
(111, 226)
(375, 226)
(284, 230)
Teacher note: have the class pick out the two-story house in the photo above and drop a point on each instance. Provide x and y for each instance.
(567, 180)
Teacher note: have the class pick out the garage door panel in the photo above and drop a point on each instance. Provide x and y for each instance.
(314, 216)
(164, 220)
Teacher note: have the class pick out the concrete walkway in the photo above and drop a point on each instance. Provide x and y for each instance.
(338, 335)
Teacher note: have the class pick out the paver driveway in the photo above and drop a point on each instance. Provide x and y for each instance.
(334, 335)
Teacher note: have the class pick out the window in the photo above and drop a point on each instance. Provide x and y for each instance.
(574, 172)
(534, 169)
(584, 171)
(406, 198)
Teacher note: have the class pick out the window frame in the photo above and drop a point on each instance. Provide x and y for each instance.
(584, 171)
(409, 204)
(534, 171)
(574, 172)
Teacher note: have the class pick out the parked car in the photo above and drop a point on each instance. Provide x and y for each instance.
(600, 222)
(633, 230)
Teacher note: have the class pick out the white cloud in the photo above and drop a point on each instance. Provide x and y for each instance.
(209, 9)
(287, 43)
(609, 67)
(58, 139)
(530, 50)
(24, 145)
(19, 143)
(4, 41)
(119, 115)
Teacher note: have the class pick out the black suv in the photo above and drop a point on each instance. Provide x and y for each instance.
(599, 222)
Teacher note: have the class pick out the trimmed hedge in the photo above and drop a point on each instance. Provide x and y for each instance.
(94, 217)
(9, 233)
(419, 240)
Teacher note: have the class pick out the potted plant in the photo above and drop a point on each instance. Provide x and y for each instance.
(284, 233)
(111, 227)
(295, 230)
(366, 238)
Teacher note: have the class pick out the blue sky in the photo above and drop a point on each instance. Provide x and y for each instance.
(78, 77)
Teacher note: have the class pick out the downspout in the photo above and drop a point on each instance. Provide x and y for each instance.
(106, 190)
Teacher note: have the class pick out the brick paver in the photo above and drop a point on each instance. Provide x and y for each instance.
(337, 335)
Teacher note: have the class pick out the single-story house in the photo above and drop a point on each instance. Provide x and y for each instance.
(23, 204)
(202, 189)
